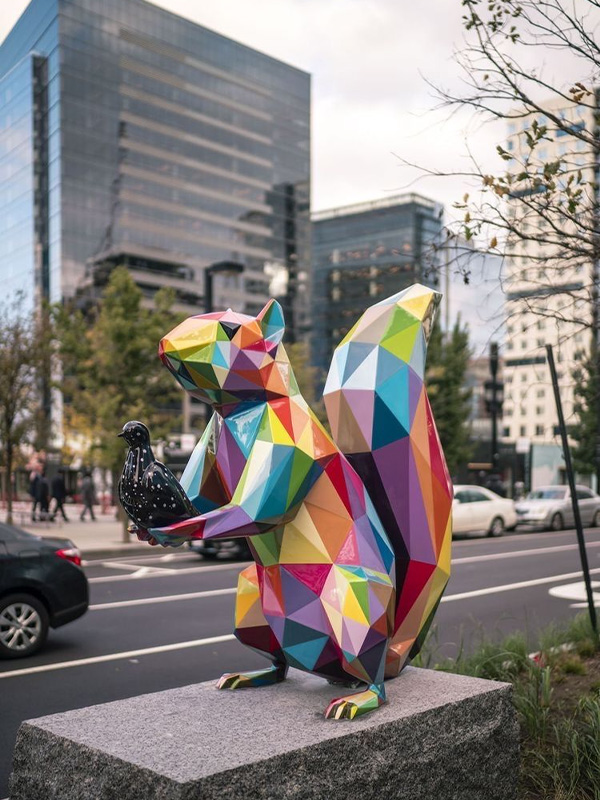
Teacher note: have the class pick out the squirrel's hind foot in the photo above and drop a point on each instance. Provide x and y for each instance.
(258, 677)
(355, 705)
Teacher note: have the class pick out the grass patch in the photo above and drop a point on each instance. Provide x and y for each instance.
(557, 698)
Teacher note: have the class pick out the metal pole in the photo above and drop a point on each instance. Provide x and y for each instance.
(208, 291)
(494, 403)
(574, 501)
(208, 307)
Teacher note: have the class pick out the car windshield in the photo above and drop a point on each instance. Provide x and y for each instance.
(546, 494)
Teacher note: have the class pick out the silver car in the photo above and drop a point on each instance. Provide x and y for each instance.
(549, 508)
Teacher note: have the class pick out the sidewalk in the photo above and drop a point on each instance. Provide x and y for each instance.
(104, 537)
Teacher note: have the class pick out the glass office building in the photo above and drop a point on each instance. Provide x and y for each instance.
(129, 135)
(362, 254)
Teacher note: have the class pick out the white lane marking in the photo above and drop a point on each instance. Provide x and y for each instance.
(576, 591)
(134, 560)
(473, 541)
(146, 651)
(516, 553)
(162, 573)
(170, 598)
(511, 586)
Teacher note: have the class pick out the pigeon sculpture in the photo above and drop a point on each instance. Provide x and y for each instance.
(149, 492)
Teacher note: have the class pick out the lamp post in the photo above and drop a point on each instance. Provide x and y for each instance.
(494, 390)
(219, 268)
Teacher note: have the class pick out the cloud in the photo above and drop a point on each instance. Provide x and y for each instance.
(370, 99)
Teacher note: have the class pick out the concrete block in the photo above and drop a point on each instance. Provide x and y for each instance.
(441, 736)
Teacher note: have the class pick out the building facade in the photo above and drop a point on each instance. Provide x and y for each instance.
(129, 135)
(549, 296)
(362, 254)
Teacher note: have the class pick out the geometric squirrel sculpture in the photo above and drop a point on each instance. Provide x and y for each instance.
(350, 534)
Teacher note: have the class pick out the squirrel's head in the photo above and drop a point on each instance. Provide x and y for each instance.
(225, 358)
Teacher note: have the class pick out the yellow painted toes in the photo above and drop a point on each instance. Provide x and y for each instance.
(258, 677)
(355, 705)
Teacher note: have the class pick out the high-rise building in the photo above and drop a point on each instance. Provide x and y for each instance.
(548, 297)
(364, 253)
(129, 135)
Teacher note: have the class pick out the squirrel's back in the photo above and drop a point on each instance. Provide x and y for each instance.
(381, 420)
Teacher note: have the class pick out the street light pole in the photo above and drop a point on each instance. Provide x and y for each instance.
(219, 268)
(493, 401)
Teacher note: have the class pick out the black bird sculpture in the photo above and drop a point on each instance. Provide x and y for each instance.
(149, 492)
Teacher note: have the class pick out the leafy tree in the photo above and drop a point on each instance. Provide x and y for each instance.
(21, 360)
(538, 211)
(111, 371)
(585, 431)
(307, 377)
(447, 362)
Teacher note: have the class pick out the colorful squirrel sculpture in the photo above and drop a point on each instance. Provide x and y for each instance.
(351, 535)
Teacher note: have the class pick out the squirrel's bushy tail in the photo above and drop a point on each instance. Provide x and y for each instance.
(381, 420)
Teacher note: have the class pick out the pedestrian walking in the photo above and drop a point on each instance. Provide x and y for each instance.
(59, 495)
(88, 495)
(34, 479)
(43, 495)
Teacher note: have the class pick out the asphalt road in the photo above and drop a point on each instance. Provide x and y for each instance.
(165, 620)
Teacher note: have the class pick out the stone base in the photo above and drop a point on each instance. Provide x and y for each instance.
(441, 736)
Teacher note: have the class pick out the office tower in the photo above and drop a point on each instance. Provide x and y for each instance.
(131, 136)
(548, 300)
(364, 253)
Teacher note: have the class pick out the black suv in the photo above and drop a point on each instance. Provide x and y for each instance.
(42, 585)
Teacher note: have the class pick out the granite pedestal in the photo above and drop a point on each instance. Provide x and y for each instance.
(440, 736)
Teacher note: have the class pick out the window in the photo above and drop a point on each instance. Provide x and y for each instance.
(523, 377)
(539, 430)
(541, 393)
(506, 432)
(477, 497)
(584, 494)
(539, 410)
(462, 497)
(522, 430)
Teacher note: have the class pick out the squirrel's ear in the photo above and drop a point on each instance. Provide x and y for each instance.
(272, 323)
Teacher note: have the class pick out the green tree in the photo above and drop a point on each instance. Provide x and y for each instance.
(447, 362)
(585, 406)
(21, 364)
(307, 377)
(111, 370)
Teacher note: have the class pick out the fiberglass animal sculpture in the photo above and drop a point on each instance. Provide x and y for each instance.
(350, 535)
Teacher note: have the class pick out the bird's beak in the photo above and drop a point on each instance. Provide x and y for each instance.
(121, 434)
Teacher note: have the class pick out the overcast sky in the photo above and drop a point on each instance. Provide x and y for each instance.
(371, 103)
(369, 97)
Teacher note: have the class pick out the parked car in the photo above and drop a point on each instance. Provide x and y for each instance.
(479, 510)
(222, 548)
(549, 508)
(42, 586)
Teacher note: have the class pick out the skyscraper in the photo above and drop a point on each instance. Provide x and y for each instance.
(364, 253)
(129, 135)
(548, 277)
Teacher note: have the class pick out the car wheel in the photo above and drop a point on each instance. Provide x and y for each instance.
(596, 520)
(497, 527)
(556, 523)
(23, 625)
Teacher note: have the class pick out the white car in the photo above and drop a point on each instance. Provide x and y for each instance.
(477, 510)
